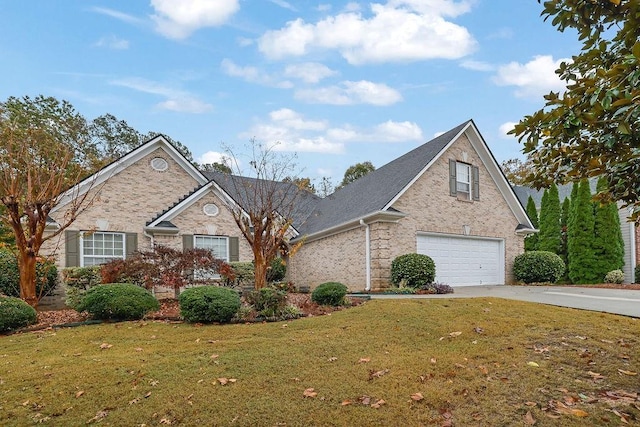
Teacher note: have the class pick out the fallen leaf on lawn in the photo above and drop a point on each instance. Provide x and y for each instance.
(198, 340)
(377, 374)
(579, 413)
(455, 334)
(529, 420)
(378, 404)
(99, 415)
(223, 381)
(484, 370)
(346, 402)
(105, 346)
(478, 330)
(530, 403)
(417, 397)
(365, 400)
(538, 349)
(134, 401)
(622, 371)
(364, 360)
(433, 360)
(459, 365)
(80, 393)
(533, 364)
(148, 395)
(165, 421)
(332, 359)
(595, 375)
(310, 392)
(138, 348)
(214, 356)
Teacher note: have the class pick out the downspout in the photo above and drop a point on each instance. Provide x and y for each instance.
(367, 253)
(150, 236)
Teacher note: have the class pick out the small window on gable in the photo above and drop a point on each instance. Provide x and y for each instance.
(159, 164)
(464, 180)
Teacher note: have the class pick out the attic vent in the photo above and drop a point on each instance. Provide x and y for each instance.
(159, 164)
(210, 209)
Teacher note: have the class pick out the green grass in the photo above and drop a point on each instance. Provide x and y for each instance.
(160, 373)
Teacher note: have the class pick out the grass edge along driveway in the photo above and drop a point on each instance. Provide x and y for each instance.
(438, 362)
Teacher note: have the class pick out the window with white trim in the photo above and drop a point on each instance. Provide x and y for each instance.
(219, 245)
(463, 180)
(100, 247)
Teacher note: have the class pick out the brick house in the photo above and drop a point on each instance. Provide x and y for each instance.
(447, 198)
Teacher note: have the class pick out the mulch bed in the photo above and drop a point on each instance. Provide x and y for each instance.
(170, 310)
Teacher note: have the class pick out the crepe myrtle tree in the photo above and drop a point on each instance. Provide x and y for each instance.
(45, 149)
(266, 197)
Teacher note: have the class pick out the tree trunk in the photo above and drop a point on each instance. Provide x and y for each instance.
(27, 267)
(260, 272)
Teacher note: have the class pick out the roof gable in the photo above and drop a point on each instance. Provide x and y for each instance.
(100, 177)
(379, 189)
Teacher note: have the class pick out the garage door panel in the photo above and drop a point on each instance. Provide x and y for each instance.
(464, 261)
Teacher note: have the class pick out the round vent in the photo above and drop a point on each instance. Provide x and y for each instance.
(159, 164)
(210, 209)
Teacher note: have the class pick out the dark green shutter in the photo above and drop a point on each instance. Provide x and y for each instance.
(475, 182)
(234, 249)
(72, 244)
(131, 243)
(453, 190)
(187, 241)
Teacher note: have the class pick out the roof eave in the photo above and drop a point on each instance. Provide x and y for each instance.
(378, 216)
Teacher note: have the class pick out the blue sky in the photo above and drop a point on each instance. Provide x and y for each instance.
(335, 82)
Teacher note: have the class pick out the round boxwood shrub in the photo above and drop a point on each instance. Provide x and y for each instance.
(538, 266)
(208, 304)
(330, 293)
(118, 301)
(413, 270)
(15, 314)
(614, 276)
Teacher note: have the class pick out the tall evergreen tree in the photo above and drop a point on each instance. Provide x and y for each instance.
(531, 241)
(581, 237)
(608, 243)
(549, 238)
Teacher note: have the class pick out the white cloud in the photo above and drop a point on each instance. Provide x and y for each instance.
(176, 100)
(284, 4)
(477, 65)
(349, 93)
(245, 41)
(533, 79)
(178, 19)
(325, 7)
(214, 157)
(252, 75)
(504, 128)
(309, 72)
(400, 30)
(294, 132)
(129, 19)
(112, 42)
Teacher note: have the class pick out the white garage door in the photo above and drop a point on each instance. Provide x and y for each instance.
(464, 261)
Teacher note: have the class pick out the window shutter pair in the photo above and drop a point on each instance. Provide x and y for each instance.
(234, 246)
(72, 247)
(475, 180)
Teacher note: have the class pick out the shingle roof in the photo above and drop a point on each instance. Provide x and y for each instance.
(564, 191)
(302, 201)
(374, 191)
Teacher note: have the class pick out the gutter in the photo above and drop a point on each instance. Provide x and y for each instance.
(367, 256)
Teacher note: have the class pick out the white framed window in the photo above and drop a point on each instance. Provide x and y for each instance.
(100, 247)
(219, 245)
(463, 180)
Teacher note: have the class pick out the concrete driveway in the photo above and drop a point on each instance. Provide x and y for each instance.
(615, 301)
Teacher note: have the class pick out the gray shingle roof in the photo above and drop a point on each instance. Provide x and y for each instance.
(564, 191)
(374, 191)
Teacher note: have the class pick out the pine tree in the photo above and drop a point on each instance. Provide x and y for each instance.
(549, 238)
(531, 241)
(608, 243)
(581, 237)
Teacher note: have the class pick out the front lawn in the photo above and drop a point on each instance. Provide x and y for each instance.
(486, 362)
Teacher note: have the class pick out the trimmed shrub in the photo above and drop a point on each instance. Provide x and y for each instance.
(538, 266)
(437, 288)
(77, 280)
(244, 274)
(637, 274)
(277, 270)
(46, 275)
(118, 301)
(15, 314)
(330, 293)
(412, 270)
(208, 304)
(614, 276)
(268, 302)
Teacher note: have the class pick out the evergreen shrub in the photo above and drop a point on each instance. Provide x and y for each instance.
(614, 276)
(268, 302)
(538, 266)
(412, 270)
(329, 293)
(277, 270)
(118, 301)
(46, 275)
(208, 304)
(15, 314)
(77, 280)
